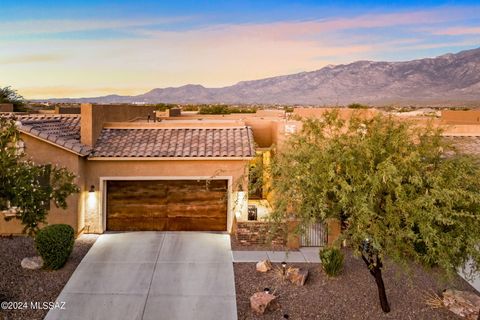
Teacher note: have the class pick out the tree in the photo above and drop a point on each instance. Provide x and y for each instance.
(357, 106)
(8, 95)
(26, 188)
(399, 189)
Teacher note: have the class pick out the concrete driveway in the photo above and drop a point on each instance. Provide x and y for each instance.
(152, 275)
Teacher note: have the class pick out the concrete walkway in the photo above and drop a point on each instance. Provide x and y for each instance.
(152, 275)
(306, 254)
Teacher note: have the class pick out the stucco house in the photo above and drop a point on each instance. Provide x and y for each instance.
(138, 169)
(136, 174)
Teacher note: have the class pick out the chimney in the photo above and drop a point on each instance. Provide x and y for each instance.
(91, 123)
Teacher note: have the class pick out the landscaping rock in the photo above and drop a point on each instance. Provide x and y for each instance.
(463, 303)
(32, 263)
(260, 301)
(297, 276)
(264, 266)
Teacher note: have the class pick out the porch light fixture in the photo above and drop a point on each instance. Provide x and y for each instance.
(284, 267)
(92, 189)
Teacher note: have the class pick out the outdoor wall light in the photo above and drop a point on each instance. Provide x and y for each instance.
(92, 189)
(284, 267)
(366, 244)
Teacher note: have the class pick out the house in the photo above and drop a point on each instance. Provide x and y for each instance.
(139, 175)
(142, 170)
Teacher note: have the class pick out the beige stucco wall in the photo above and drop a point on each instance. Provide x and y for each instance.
(100, 170)
(344, 113)
(461, 117)
(44, 153)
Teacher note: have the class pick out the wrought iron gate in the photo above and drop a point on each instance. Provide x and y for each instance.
(315, 235)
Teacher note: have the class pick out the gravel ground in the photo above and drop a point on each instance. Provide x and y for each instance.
(17, 284)
(353, 295)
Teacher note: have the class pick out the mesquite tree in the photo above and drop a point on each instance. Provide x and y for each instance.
(399, 189)
(26, 188)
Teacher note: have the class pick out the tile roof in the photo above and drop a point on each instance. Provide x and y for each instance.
(175, 142)
(62, 130)
(466, 144)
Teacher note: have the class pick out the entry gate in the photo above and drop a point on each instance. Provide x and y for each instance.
(315, 235)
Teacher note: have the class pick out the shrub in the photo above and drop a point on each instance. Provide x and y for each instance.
(242, 110)
(54, 243)
(357, 106)
(190, 108)
(224, 109)
(214, 109)
(332, 261)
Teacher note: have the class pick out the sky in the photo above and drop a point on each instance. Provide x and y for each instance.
(90, 48)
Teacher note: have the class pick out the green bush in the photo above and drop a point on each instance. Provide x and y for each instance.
(332, 261)
(190, 108)
(357, 106)
(214, 109)
(242, 110)
(54, 244)
(224, 109)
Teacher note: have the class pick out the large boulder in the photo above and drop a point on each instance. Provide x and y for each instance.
(264, 266)
(297, 276)
(463, 303)
(260, 301)
(32, 263)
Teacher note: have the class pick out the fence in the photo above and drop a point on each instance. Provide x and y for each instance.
(315, 235)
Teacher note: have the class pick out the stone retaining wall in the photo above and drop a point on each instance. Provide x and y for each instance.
(256, 233)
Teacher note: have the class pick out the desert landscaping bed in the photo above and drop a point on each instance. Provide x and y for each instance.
(352, 295)
(18, 284)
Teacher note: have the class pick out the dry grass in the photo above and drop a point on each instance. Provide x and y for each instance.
(432, 299)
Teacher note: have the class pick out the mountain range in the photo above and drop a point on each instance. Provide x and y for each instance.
(448, 79)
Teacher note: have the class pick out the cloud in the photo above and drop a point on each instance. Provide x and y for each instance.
(36, 27)
(75, 91)
(294, 29)
(213, 55)
(455, 31)
(32, 58)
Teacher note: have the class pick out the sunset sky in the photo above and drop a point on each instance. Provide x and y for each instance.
(90, 48)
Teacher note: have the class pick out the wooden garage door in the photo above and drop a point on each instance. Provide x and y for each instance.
(161, 205)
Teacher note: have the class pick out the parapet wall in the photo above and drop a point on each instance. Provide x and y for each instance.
(460, 117)
(94, 116)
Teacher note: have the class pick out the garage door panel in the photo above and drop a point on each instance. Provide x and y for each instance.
(186, 210)
(205, 196)
(138, 209)
(129, 224)
(159, 224)
(190, 205)
(196, 224)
